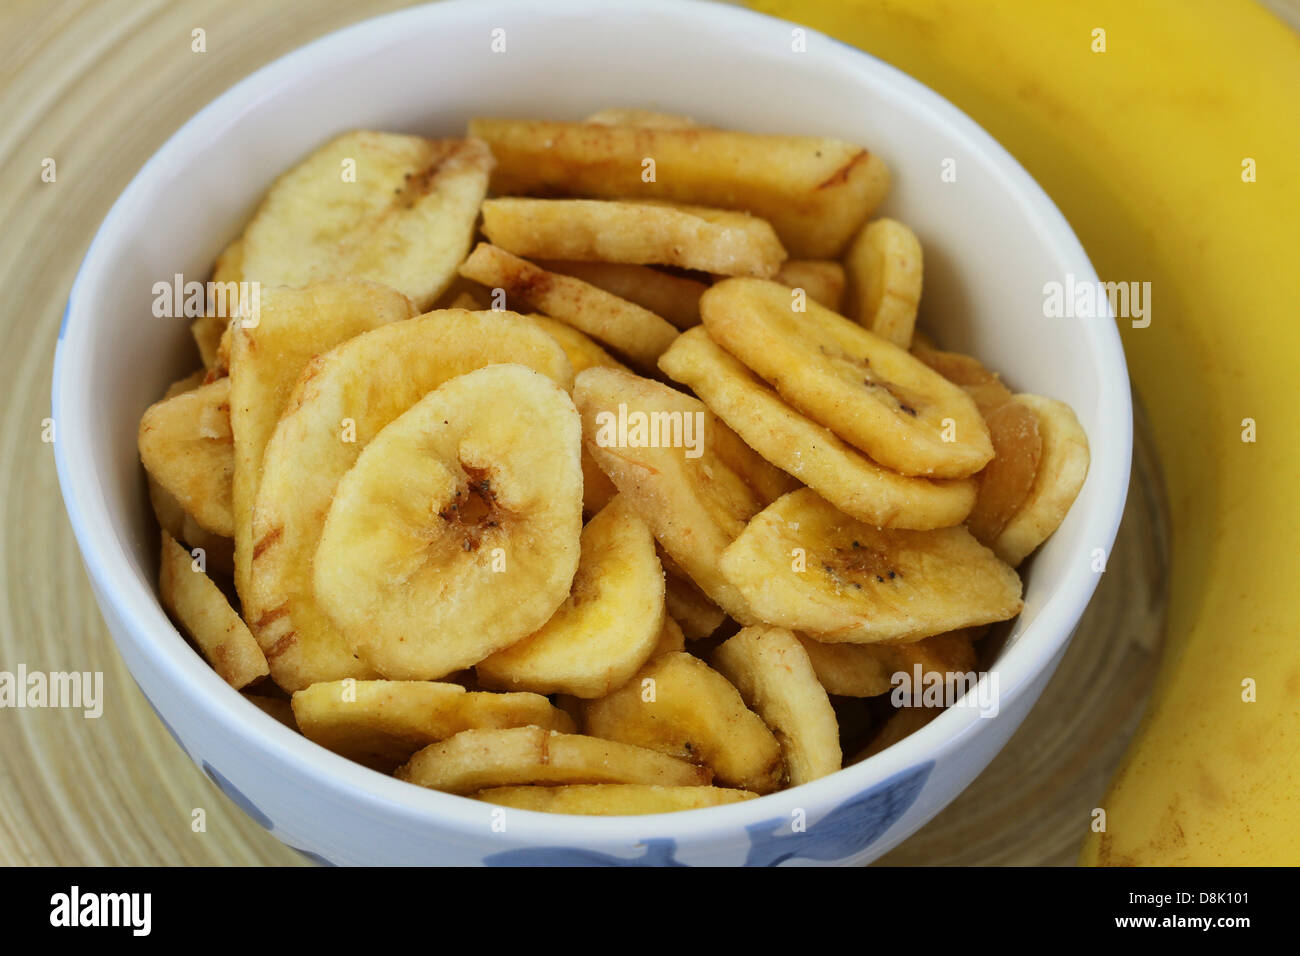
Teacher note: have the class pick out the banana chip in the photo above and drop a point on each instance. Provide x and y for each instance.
(347, 396)
(186, 446)
(456, 533)
(1060, 474)
(583, 352)
(200, 607)
(803, 565)
(475, 760)
(983, 386)
(209, 330)
(645, 233)
(398, 210)
(840, 473)
(607, 627)
(822, 279)
(611, 799)
(678, 705)
(695, 495)
(687, 604)
(1006, 481)
(266, 359)
(633, 332)
(884, 269)
(670, 639)
(871, 393)
(675, 297)
(816, 192)
(903, 722)
(866, 670)
(772, 671)
(382, 723)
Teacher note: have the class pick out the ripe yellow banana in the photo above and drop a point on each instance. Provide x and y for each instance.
(1148, 149)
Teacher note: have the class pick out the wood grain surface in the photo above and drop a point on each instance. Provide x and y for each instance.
(98, 86)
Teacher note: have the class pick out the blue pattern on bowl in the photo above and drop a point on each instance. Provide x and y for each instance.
(847, 830)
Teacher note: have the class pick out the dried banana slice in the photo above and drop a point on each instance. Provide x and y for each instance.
(382, 723)
(643, 233)
(676, 298)
(1061, 472)
(840, 473)
(772, 671)
(687, 604)
(1006, 481)
(822, 279)
(866, 670)
(816, 192)
(670, 639)
(208, 330)
(456, 533)
(679, 705)
(344, 399)
(982, 385)
(633, 332)
(903, 722)
(200, 607)
(803, 565)
(695, 485)
(884, 269)
(597, 489)
(268, 354)
(868, 391)
(399, 210)
(607, 627)
(475, 760)
(611, 799)
(583, 352)
(186, 446)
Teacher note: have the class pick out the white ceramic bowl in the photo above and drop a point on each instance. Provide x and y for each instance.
(992, 240)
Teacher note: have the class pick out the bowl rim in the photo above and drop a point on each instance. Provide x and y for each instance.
(148, 626)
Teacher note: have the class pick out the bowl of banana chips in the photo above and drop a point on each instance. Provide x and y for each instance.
(588, 434)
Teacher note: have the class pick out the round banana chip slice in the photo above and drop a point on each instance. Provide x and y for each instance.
(1061, 471)
(884, 272)
(607, 627)
(187, 448)
(867, 390)
(772, 671)
(477, 760)
(381, 723)
(403, 217)
(815, 455)
(679, 705)
(803, 565)
(689, 477)
(456, 532)
(611, 799)
(349, 394)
